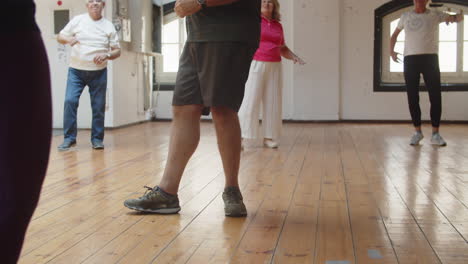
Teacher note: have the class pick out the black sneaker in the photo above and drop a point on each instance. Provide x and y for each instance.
(97, 145)
(155, 201)
(66, 145)
(233, 202)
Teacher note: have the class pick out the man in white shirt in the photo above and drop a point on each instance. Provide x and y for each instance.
(94, 41)
(421, 57)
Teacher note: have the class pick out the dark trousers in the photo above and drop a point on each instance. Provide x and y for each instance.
(25, 134)
(428, 66)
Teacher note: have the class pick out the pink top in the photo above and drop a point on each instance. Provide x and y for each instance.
(271, 39)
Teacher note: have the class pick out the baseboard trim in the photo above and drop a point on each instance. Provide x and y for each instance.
(363, 121)
(371, 121)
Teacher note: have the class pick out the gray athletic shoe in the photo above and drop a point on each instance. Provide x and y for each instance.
(233, 202)
(418, 136)
(66, 145)
(438, 140)
(155, 201)
(97, 144)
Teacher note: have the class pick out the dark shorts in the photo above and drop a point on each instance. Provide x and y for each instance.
(213, 74)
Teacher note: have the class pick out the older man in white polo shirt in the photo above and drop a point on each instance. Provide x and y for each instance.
(94, 41)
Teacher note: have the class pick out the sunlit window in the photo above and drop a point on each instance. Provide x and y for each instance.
(399, 47)
(173, 40)
(453, 47)
(448, 47)
(465, 45)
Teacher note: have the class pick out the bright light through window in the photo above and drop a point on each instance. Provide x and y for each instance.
(397, 67)
(465, 48)
(393, 26)
(170, 57)
(399, 47)
(171, 45)
(448, 32)
(452, 47)
(465, 57)
(448, 47)
(466, 27)
(171, 32)
(448, 56)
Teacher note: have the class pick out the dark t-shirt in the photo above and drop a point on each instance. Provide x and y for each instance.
(18, 15)
(237, 22)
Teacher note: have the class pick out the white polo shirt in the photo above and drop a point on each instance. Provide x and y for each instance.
(95, 37)
(421, 31)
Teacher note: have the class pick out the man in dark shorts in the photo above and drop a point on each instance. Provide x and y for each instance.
(222, 37)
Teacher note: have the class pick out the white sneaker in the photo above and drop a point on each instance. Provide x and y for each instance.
(418, 136)
(438, 140)
(270, 143)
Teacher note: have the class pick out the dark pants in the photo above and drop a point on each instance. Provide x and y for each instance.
(77, 81)
(25, 133)
(428, 66)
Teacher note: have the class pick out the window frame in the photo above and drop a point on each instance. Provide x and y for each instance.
(166, 79)
(170, 77)
(380, 54)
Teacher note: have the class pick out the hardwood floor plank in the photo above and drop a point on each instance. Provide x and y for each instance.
(334, 238)
(297, 241)
(259, 242)
(370, 237)
(332, 193)
(261, 164)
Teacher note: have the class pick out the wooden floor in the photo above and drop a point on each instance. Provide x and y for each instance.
(331, 194)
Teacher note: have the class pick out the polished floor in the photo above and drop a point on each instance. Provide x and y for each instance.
(332, 194)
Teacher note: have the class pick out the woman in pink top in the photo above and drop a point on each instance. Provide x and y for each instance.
(264, 85)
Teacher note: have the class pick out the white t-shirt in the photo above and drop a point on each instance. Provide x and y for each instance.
(95, 37)
(421, 31)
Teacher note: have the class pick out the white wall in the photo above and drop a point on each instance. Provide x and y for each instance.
(125, 89)
(357, 96)
(336, 39)
(128, 87)
(58, 60)
(287, 21)
(128, 72)
(316, 38)
(310, 92)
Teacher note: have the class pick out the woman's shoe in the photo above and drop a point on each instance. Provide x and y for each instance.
(269, 143)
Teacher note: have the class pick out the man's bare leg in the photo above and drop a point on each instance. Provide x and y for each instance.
(185, 135)
(228, 134)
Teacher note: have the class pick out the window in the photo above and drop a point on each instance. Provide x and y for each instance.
(465, 45)
(399, 47)
(174, 36)
(173, 41)
(448, 47)
(61, 19)
(453, 47)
